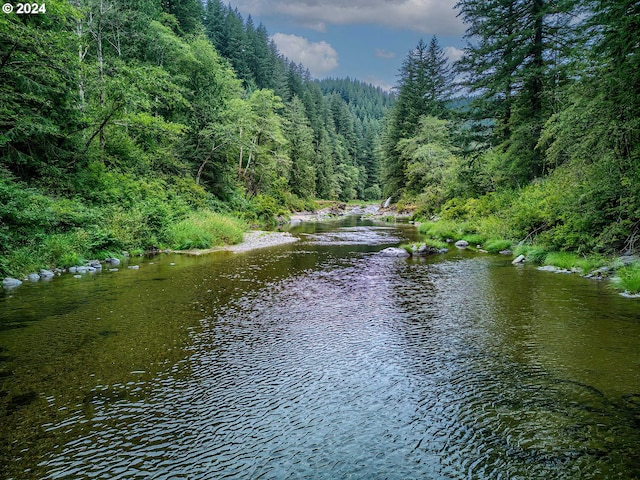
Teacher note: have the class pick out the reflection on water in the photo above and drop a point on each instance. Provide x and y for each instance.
(321, 360)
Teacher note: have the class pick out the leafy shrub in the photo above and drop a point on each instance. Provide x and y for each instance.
(373, 193)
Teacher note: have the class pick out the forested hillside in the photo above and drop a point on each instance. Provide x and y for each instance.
(133, 125)
(548, 151)
(128, 125)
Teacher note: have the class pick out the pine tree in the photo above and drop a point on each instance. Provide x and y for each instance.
(424, 88)
(514, 61)
(302, 180)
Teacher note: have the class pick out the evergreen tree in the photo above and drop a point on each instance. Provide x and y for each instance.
(39, 95)
(302, 180)
(424, 88)
(515, 60)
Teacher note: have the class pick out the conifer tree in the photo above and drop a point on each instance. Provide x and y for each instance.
(514, 61)
(425, 86)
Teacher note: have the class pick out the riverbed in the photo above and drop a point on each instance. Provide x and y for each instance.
(320, 359)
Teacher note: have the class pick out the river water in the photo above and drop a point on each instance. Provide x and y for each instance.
(320, 360)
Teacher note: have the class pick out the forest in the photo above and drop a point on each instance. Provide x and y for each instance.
(128, 125)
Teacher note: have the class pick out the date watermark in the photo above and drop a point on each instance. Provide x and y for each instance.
(25, 8)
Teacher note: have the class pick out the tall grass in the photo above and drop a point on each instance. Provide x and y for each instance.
(205, 229)
(444, 229)
(532, 253)
(563, 260)
(497, 245)
(629, 278)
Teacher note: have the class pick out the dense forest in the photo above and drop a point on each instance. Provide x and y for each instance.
(547, 148)
(135, 125)
(129, 125)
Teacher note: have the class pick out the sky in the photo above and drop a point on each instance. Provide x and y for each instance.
(362, 39)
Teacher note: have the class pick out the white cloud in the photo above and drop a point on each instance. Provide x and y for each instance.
(434, 17)
(381, 53)
(453, 54)
(318, 57)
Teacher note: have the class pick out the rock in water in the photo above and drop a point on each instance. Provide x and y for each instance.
(427, 250)
(33, 277)
(518, 260)
(46, 273)
(11, 282)
(462, 244)
(394, 252)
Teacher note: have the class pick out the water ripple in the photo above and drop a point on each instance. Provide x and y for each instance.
(364, 367)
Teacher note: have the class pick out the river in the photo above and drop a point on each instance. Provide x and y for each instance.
(320, 360)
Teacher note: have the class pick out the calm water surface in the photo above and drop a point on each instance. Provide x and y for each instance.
(320, 360)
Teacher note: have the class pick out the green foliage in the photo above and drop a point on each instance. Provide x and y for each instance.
(445, 229)
(474, 239)
(566, 260)
(430, 242)
(533, 254)
(266, 209)
(629, 278)
(496, 245)
(205, 229)
(590, 263)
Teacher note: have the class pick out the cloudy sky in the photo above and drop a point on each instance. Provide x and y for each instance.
(363, 39)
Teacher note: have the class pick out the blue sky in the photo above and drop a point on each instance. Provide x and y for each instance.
(363, 39)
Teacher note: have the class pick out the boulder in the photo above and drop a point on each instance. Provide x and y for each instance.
(506, 252)
(394, 252)
(427, 250)
(113, 261)
(519, 260)
(33, 277)
(73, 269)
(81, 269)
(462, 244)
(11, 282)
(95, 264)
(46, 273)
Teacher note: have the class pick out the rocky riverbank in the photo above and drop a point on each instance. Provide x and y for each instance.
(338, 210)
(252, 241)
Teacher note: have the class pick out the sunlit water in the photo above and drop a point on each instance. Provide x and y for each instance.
(320, 360)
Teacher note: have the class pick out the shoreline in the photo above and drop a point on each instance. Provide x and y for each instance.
(253, 240)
